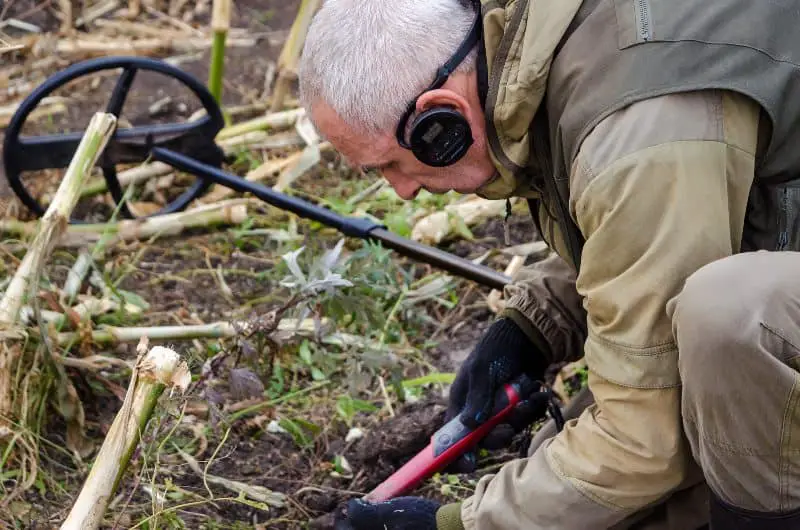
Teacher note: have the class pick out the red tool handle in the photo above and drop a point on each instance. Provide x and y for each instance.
(448, 443)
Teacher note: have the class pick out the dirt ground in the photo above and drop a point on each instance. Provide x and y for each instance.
(171, 275)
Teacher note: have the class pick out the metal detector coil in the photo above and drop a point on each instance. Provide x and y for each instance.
(127, 146)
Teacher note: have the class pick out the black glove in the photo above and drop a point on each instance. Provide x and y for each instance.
(504, 353)
(402, 513)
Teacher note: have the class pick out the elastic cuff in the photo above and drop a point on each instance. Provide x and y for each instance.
(448, 517)
(534, 335)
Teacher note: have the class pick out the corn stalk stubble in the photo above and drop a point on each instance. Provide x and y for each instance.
(51, 227)
(155, 370)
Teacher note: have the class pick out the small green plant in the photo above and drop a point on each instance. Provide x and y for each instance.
(347, 408)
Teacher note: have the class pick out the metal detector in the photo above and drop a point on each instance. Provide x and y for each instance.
(189, 147)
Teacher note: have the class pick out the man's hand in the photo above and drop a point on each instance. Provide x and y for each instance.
(402, 513)
(503, 354)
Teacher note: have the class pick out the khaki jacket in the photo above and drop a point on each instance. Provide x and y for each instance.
(658, 190)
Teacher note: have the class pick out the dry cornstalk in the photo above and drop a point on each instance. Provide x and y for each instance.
(49, 106)
(91, 46)
(494, 301)
(52, 226)
(97, 11)
(173, 21)
(433, 228)
(291, 168)
(56, 218)
(261, 140)
(215, 330)
(66, 16)
(537, 250)
(134, 9)
(258, 493)
(127, 177)
(138, 29)
(229, 212)
(77, 273)
(9, 47)
(290, 55)
(276, 120)
(155, 370)
(309, 157)
(262, 172)
(87, 308)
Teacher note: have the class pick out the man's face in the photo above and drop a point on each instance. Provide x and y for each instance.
(399, 166)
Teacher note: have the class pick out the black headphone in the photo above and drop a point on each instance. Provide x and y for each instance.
(440, 136)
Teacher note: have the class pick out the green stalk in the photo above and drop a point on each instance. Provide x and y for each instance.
(216, 330)
(220, 24)
(217, 68)
(273, 402)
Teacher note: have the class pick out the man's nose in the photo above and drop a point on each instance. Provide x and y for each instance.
(405, 186)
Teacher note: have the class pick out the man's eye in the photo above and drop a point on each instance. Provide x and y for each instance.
(377, 172)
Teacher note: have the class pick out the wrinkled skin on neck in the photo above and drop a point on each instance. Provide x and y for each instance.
(407, 175)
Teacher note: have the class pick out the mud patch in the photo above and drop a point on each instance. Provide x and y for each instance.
(379, 454)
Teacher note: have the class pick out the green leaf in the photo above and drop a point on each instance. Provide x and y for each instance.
(435, 378)
(296, 432)
(461, 228)
(134, 299)
(305, 352)
(317, 374)
(363, 406)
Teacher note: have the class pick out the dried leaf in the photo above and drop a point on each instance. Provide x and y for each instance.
(215, 402)
(20, 509)
(181, 377)
(248, 350)
(213, 397)
(245, 384)
(71, 409)
(143, 345)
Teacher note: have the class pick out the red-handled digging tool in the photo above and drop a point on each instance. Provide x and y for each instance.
(448, 443)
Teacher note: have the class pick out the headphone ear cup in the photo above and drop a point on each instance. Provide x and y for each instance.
(440, 137)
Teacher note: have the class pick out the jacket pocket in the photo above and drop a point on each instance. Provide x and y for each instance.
(634, 22)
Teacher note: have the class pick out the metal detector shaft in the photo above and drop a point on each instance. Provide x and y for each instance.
(349, 226)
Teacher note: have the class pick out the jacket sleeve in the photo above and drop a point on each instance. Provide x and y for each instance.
(544, 302)
(658, 190)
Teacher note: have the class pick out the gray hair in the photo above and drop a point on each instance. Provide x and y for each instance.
(368, 59)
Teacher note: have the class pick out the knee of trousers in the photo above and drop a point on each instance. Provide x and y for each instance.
(717, 317)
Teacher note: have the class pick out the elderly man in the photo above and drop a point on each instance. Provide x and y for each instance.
(655, 142)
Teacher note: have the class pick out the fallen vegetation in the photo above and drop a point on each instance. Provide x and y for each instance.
(314, 366)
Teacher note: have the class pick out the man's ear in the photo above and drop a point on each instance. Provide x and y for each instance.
(443, 97)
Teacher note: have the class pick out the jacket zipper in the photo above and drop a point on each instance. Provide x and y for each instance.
(783, 235)
(643, 19)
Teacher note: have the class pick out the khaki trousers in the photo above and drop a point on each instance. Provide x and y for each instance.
(737, 326)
